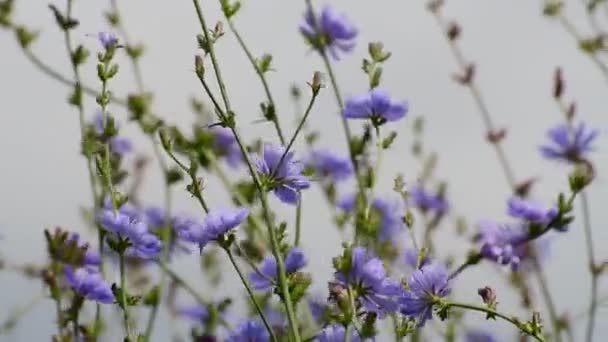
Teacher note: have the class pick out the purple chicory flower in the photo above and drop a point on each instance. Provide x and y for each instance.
(367, 276)
(318, 308)
(144, 245)
(197, 313)
(426, 285)
(428, 202)
(225, 145)
(217, 223)
(479, 336)
(570, 145)
(107, 39)
(385, 215)
(330, 31)
(336, 333)
(530, 211)
(284, 177)
(330, 165)
(295, 261)
(89, 283)
(155, 217)
(249, 331)
(411, 259)
(375, 105)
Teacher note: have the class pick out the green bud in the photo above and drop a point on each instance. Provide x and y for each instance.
(377, 53)
(552, 8)
(374, 80)
(388, 141)
(199, 66)
(25, 37)
(230, 9)
(80, 55)
(263, 63)
(152, 298)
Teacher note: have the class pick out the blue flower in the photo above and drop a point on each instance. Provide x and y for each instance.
(249, 331)
(283, 177)
(530, 211)
(155, 217)
(336, 333)
(411, 259)
(330, 165)
(331, 30)
(479, 336)
(567, 145)
(428, 202)
(144, 245)
(216, 224)
(375, 291)
(375, 105)
(385, 215)
(295, 261)
(89, 283)
(426, 285)
(107, 39)
(318, 308)
(118, 145)
(197, 313)
(225, 145)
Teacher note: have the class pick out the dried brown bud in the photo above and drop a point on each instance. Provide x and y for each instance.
(434, 5)
(467, 77)
(571, 111)
(522, 189)
(488, 295)
(496, 135)
(454, 31)
(558, 83)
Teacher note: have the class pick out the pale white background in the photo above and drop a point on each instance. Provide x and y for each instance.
(43, 178)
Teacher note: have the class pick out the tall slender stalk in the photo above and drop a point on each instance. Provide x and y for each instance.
(123, 296)
(544, 288)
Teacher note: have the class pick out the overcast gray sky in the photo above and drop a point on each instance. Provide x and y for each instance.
(43, 177)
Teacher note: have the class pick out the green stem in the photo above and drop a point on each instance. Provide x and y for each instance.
(296, 241)
(182, 283)
(196, 192)
(592, 266)
(513, 320)
(262, 77)
(123, 296)
(250, 293)
(284, 289)
(544, 286)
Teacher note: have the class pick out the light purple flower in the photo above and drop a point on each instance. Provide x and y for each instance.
(531, 211)
(376, 291)
(217, 223)
(330, 30)
(567, 145)
(295, 261)
(330, 165)
(144, 245)
(284, 177)
(375, 105)
(107, 39)
(249, 331)
(425, 286)
(118, 145)
(428, 202)
(411, 259)
(225, 145)
(336, 333)
(89, 283)
(197, 313)
(479, 336)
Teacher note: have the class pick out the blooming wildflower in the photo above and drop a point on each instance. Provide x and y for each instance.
(330, 165)
(385, 215)
(283, 177)
(197, 313)
(225, 145)
(569, 146)
(128, 209)
(479, 336)
(336, 333)
(107, 39)
(89, 283)
(530, 211)
(249, 331)
(375, 105)
(295, 261)
(376, 292)
(426, 285)
(144, 245)
(330, 30)
(215, 224)
(427, 201)
(118, 145)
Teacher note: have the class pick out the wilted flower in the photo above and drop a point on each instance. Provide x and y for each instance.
(89, 283)
(225, 145)
(569, 145)
(330, 165)
(375, 105)
(283, 175)
(426, 286)
(249, 331)
(428, 202)
(217, 223)
(530, 211)
(374, 290)
(107, 39)
(295, 261)
(143, 244)
(330, 30)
